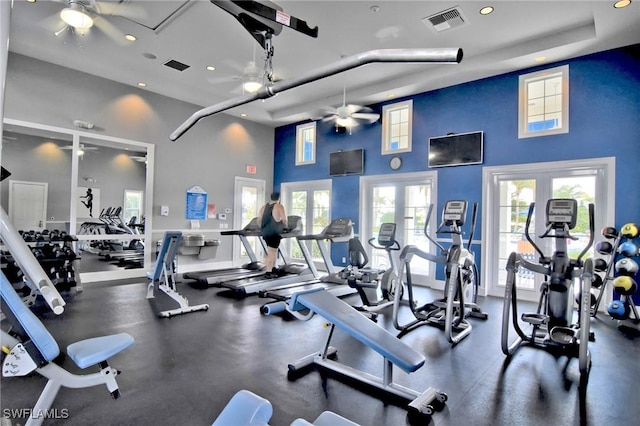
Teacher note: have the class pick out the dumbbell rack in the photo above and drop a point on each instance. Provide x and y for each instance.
(627, 299)
(608, 275)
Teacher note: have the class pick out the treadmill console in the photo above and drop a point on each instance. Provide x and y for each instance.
(341, 227)
(387, 234)
(562, 211)
(454, 212)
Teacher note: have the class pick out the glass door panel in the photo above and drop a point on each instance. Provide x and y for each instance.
(582, 189)
(248, 199)
(404, 201)
(383, 211)
(312, 202)
(416, 200)
(515, 197)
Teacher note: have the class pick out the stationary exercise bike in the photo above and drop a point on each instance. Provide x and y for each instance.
(461, 288)
(376, 287)
(552, 326)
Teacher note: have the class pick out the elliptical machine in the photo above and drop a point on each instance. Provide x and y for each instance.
(376, 287)
(461, 288)
(552, 325)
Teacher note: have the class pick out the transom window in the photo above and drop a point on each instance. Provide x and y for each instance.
(306, 143)
(396, 127)
(544, 103)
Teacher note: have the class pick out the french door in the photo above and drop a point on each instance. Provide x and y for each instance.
(249, 196)
(311, 201)
(509, 191)
(403, 200)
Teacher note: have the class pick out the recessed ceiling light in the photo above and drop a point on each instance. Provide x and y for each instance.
(374, 8)
(31, 1)
(486, 10)
(211, 68)
(621, 3)
(130, 37)
(540, 58)
(142, 84)
(243, 115)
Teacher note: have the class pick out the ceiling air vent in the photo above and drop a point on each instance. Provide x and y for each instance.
(446, 20)
(176, 65)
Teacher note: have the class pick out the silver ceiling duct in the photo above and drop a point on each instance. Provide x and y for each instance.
(442, 55)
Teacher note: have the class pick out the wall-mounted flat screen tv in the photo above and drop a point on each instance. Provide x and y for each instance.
(456, 149)
(343, 163)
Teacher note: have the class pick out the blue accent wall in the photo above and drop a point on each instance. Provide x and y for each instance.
(604, 121)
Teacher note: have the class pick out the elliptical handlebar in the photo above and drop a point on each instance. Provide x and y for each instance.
(526, 230)
(474, 216)
(426, 225)
(394, 246)
(591, 231)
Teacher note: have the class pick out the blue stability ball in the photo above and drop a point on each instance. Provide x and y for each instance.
(619, 310)
(628, 249)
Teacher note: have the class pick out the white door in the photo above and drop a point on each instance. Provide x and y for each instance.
(28, 205)
(403, 200)
(311, 200)
(512, 191)
(249, 196)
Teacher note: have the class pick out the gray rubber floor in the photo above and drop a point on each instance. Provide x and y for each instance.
(183, 370)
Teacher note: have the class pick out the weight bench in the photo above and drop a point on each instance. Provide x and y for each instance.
(393, 350)
(36, 349)
(162, 278)
(248, 409)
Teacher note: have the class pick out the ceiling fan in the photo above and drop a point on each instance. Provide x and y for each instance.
(80, 17)
(82, 149)
(350, 116)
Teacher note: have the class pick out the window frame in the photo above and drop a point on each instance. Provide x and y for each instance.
(300, 131)
(386, 126)
(523, 101)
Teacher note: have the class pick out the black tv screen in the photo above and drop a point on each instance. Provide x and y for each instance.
(343, 163)
(455, 150)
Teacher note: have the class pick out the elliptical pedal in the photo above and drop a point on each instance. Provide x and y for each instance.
(535, 319)
(563, 335)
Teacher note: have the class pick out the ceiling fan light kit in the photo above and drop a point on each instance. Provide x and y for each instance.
(76, 16)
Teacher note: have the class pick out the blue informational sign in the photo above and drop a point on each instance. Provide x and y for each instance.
(196, 207)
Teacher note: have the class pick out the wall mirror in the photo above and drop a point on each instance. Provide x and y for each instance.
(95, 187)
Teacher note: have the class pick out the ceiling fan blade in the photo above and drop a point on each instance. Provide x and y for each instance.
(52, 23)
(371, 117)
(109, 30)
(329, 118)
(127, 11)
(235, 79)
(354, 108)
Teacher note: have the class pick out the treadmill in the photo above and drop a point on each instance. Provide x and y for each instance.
(338, 231)
(252, 269)
(291, 272)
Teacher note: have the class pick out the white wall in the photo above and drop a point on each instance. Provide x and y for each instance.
(210, 155)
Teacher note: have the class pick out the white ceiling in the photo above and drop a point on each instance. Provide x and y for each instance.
(199, 33)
